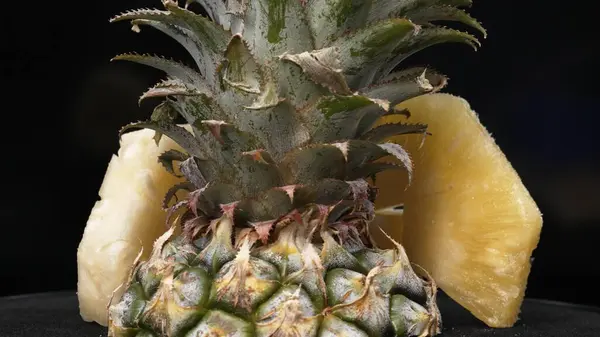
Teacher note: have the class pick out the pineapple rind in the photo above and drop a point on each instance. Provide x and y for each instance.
(128, 217)
(379, 296)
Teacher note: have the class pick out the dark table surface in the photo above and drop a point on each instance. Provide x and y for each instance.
(56, 315)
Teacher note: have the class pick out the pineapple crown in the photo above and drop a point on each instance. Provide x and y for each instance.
(281, 107)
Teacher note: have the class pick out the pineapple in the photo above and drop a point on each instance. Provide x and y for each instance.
(272, 237)
(117, 230)
(467, 218)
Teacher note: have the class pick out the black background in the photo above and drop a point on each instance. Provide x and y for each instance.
(534, 84)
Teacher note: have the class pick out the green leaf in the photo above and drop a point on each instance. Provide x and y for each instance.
(167, 158)
(360, 153)
(254, 176)
(298, 88)
(144, 14)
(269, 205)
(197, 108)
(171, 68)
(427, 37)
(214, 195)
(362, 52)
(269, 97)
(371, 169)
(323, 67)
(211, 34)
(279, 128)
(322, 192)
(185, 38)
(343, 114)
(191, 171)
(241, 70)
(398, 152)
(163, 113)
(369, 119)
(383, 9)
(311, 164)
(170, 88)
(333, 105)
(402, 85)
(385, 131)
(398, 87)
(273, 27)
(215, 9)
(204, 39)
(231, 137)
(328, 19)
(444, 13)
(178, 134)
(172, 192)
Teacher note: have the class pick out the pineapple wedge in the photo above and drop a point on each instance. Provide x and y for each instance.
(467, 219)
(128, 217)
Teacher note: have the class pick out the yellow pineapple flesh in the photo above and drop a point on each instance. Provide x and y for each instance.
(128, 217)
(468, 219)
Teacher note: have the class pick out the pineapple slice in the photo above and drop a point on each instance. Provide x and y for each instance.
(128, 217)
(467, 219)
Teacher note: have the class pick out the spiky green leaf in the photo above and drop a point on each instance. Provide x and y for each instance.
(428, 14)
(170, 88)
(363, 51)
(210, 33)
(279, 128)
(273, 27)
(298, 88)
(241, 69)
(328, 19)
(214, 195)
(323, 192)
(398, 152)
(331, 106)
(343, 114)
(385, 131)
(382, 9)
(185, 38)
(323, 67)
(311, 164)
(255, 175)
(172, 68)
(231, 137)
(427, 37)
(398, 87)
(216, 10)
(167, 159)
(163, 113)
(172, 192)
(402, 85)
(269, 205)
(192, 172)
(178, 134)
(360, 153)
(203, 39)
(371, 169)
